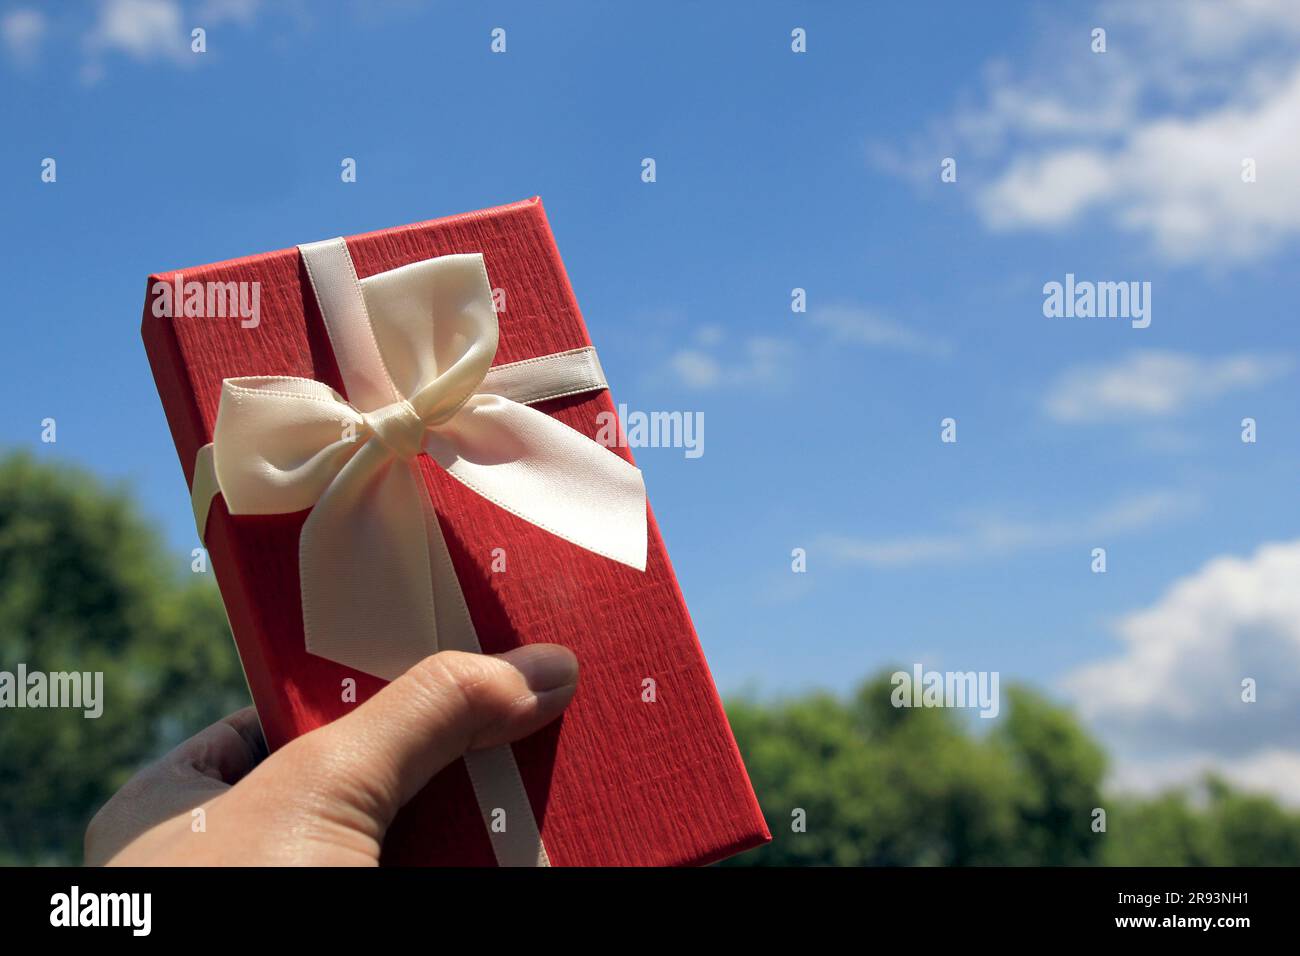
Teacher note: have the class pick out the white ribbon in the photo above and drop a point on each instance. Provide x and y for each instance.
(415, 346)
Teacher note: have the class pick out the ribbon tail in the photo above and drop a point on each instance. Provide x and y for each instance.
(365, 569)
(493, 773)
(546, 473)
(499, 789)
(380, 594)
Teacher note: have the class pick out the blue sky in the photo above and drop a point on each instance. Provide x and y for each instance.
(775, 170)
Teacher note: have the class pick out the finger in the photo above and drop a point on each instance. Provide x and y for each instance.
(195, 771)
(375, 759)
(224, 752)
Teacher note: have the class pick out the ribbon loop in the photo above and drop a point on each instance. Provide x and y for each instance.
(436, 330)
(279, 442)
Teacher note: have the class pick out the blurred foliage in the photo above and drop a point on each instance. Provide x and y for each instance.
(86, 585)
(886, 786)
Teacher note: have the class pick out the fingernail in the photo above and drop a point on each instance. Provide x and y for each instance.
(545, 666)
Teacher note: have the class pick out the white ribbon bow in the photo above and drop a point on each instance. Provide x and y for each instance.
(414, 346)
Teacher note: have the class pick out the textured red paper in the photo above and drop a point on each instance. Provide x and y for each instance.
(617, 781)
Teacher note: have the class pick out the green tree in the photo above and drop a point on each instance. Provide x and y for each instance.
(85, 585)
(881, 785)
(1059, 771)
(1212, 825)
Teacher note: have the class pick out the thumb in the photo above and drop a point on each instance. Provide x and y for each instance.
(365, 766)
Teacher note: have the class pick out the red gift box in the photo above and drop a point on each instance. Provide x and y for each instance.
(618, 780)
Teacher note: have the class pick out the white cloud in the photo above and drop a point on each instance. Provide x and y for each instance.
(714, 361)
(1177, 33)
(999, 535)
(1048, 190)
(23, 31)
(759, 360)
(211, 12)
(1170, 701)
(860, 326)
(696, 369)
(1151, 384)
(147, 31)
(711, 335)
(1177, 180)
(1272, 771)
(142, 29)
(1147, 138)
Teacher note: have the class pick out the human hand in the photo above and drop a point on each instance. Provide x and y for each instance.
(327, 797)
